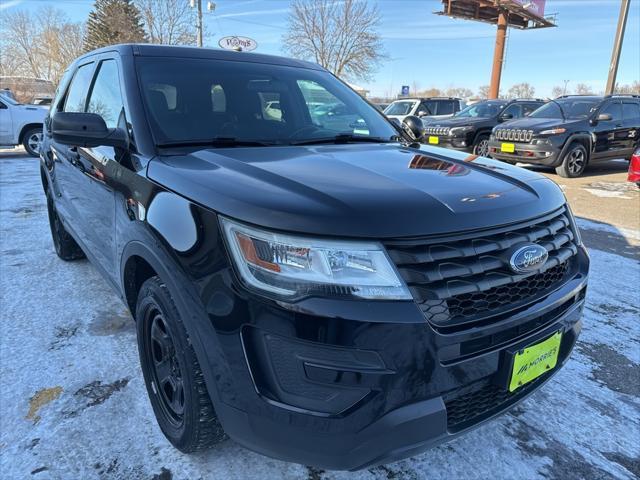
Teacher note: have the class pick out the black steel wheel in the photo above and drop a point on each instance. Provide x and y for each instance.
(172, 373)
(574, 161)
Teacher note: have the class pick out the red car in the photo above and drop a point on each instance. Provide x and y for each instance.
(634, 167)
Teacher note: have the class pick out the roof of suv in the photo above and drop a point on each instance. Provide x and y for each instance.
(426, 98)
(148, 50)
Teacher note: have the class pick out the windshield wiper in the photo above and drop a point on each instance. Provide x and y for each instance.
(216, 142)
(342, 138)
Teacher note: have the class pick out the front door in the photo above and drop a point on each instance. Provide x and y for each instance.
(5, 124)
(631, 124)
(610, 141)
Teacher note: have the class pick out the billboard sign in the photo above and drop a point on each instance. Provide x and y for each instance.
(244, 44)
(535, 7)
(405, 90)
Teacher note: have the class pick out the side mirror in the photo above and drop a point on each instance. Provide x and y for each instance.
(86, 130)
(506, 116)
(604, 117)
(422, 113)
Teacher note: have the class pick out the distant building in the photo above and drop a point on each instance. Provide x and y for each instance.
(361, 90)
(28, 89)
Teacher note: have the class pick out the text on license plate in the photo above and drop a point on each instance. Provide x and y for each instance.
(508, 147)
(534, 360)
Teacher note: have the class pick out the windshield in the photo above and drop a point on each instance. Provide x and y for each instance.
(400, 108)
(482, 110)
(572, 108)
(199, 100)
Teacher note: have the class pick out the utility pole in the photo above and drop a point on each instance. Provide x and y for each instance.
(498, 55)
(197, 4)
(617, 47)
(564, 91)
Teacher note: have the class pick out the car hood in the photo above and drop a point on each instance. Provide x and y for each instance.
(358, 190)
(537, 124)
(454, 121)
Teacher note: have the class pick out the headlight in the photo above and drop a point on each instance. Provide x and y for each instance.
(553, 131)
(460, 130)
(294, 267)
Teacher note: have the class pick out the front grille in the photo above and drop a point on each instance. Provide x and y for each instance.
(469, 408)
(443, 131)
(463, 280)
(513, 135)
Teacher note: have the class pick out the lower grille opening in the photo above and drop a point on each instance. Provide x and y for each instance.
(470, 408)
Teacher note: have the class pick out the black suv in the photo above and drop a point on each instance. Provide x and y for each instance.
(469, 129)
(324, 293)
(570, 132)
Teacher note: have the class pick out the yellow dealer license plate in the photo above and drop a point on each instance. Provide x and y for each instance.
(534, 360)
(434, 140)
(508, 147)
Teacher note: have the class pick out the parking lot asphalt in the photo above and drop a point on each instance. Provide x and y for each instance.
(73, 403)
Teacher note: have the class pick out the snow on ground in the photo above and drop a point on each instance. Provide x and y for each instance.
(73, 403)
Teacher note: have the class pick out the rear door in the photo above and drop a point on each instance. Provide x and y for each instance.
(610, 136)
(631, 124)
(5, 124)
(68, 177)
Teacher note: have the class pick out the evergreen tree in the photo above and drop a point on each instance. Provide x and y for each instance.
(113, 21)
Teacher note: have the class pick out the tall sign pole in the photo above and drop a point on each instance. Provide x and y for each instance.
(498, 55)
(199, 22)
(617, 47)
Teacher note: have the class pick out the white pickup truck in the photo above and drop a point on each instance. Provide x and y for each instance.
(21, 124)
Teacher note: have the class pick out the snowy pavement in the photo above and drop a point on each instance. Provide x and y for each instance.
(73, 403)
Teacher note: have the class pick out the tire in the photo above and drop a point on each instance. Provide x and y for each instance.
(66, 247)
(573, 162)
(32, 140)
(481, 145)
(172, 374)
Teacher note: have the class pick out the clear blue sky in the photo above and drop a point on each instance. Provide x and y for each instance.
(435, 51)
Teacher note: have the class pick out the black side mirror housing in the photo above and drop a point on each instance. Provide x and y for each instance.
(506, 116)
(413, 126)
(86, 130)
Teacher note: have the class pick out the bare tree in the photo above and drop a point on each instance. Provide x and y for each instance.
(557, 91)
(340, 36)
(521, 90)
(431, 92)
(459, 92)
(38, 45)
(633, 88)
(483, 91)
(583, 89)
(170, 22)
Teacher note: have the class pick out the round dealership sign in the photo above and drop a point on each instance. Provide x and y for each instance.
(245, 44)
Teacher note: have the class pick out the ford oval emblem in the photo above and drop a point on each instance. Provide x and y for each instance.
(528, 258)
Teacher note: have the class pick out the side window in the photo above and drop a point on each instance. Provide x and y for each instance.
(631, 112)
(105, 98)
(77, 93)
(527, 108)
(425, 108)
(513, 109)
(614, 109)
(446, 108)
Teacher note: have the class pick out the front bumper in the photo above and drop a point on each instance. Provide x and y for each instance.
(463, 143)
(539, 154)
(344, 385)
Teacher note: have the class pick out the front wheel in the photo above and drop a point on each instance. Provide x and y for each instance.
(32, 140)
(573, 162)
(481, 146)
(172, 374)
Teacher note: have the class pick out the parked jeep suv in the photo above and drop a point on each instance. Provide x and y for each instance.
(469, 129)
(329, 294)
(570, 132)
(439, 107)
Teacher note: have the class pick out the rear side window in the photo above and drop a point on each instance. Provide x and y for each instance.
(631, 111)
(446, 108)
(613, 109)
(105, 98)
(527, 108)
(77, 92)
